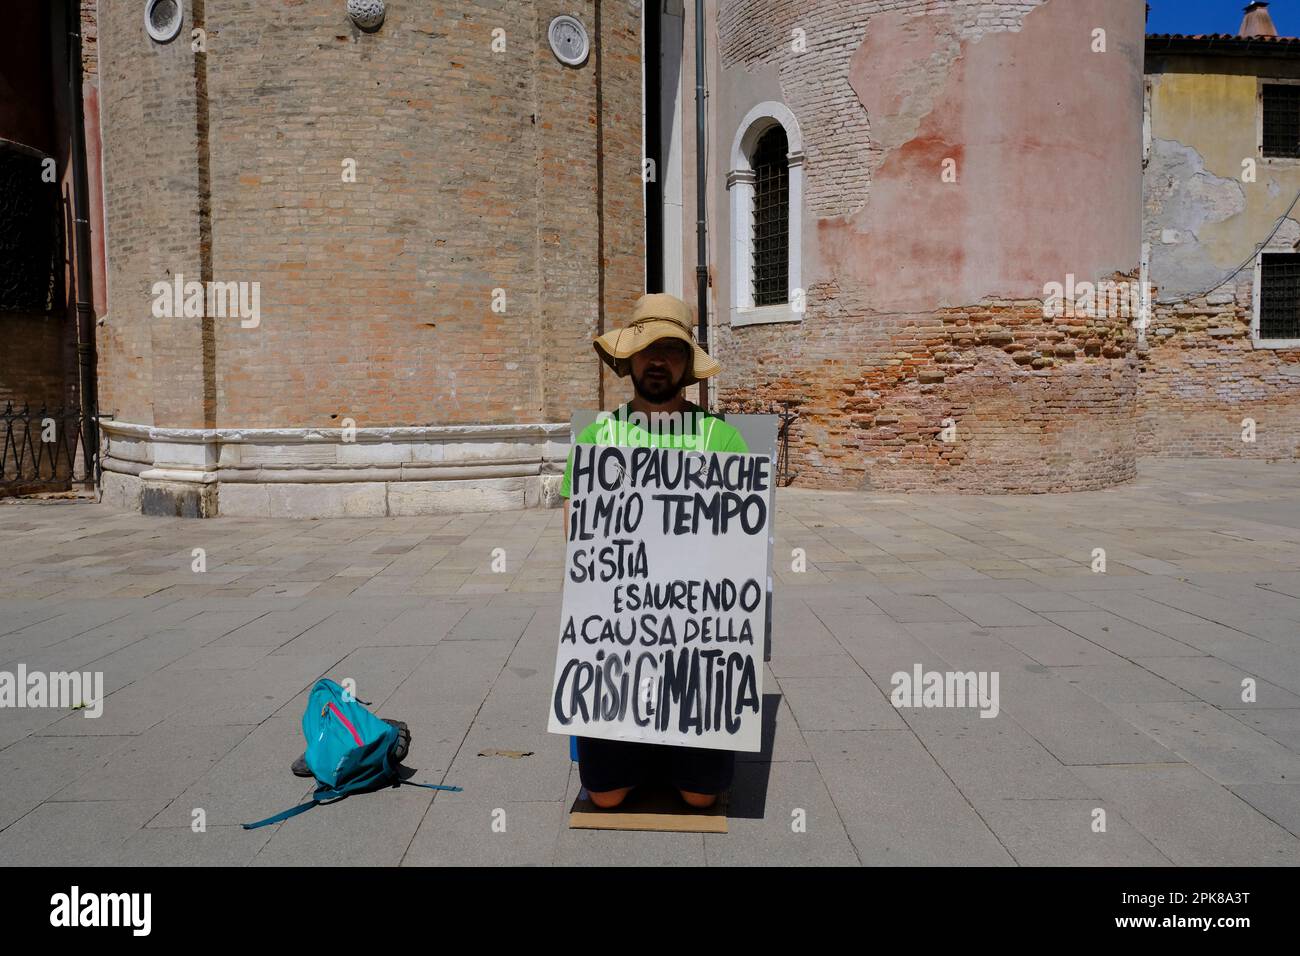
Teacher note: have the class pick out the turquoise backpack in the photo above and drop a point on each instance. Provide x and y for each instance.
(347, 749)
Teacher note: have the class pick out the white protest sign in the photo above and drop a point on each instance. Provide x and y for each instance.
(661, 627)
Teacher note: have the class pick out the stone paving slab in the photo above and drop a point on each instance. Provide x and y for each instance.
(1120, 636)
(1060, 833)
(1191, 819)
(36, 768)
(373, 829)
(71, 833)
(1053, 646)
(166, 759)
(1215, 742)
(783, 740)
(885, 813)
(249, 782)
(1281, 725)
(993, 760)
(1280, 802)
(1118, 691)
(182, 846)
(839, 703)
(1077, 729)
(1123, 682)
(780, 814)
(459, 832)
(1216, 682)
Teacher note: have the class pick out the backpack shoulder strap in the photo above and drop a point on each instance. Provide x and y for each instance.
(429, 786)
(283, 815)
(323, 794)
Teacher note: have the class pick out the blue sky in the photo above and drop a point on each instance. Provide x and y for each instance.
(1217, 16)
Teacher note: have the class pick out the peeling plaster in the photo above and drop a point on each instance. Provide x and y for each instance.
(1287, 237)
(1181, 197)
(1182, 194)
(841, 142)
(920, 53)
(919, 243)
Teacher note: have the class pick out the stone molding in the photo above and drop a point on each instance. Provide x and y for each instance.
(435, 469)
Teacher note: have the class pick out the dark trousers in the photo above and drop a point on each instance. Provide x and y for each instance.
(614, 764)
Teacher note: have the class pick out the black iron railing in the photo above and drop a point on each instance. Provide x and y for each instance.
(42, 450)
(787, 415)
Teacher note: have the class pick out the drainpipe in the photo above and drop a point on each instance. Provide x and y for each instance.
(701, 248)
(89, 386)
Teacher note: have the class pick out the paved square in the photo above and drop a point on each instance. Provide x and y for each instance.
(1161, 697)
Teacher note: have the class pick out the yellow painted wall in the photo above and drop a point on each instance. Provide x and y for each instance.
(1216, 113)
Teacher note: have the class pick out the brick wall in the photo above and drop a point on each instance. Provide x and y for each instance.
(1201, 375)
(475, 171)
(1036, 404)
(38, 360)
(149, 370)
(89, 39)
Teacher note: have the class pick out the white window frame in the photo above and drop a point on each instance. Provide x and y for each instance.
(1258, 342)
(1259, 120)
(740, 188)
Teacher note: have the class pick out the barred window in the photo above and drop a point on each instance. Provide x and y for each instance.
(1279, 296)
(1281, 119)
(771, 218)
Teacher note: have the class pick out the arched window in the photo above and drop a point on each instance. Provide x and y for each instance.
(771, 267)
(766, 191)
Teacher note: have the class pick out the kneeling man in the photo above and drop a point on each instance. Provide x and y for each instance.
(658, 350)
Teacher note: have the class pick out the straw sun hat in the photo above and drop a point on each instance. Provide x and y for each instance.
(657, 315)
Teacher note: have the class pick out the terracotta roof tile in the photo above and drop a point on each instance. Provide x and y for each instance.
(1220, 36)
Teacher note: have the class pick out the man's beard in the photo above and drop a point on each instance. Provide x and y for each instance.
(658, 390)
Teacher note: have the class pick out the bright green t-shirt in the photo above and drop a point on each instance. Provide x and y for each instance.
(714, 435)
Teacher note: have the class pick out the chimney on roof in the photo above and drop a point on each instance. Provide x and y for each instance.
(1257, 22)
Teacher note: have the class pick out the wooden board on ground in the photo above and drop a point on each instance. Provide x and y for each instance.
(650, 808)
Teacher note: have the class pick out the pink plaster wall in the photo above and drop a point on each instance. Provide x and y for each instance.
(1049, 177)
